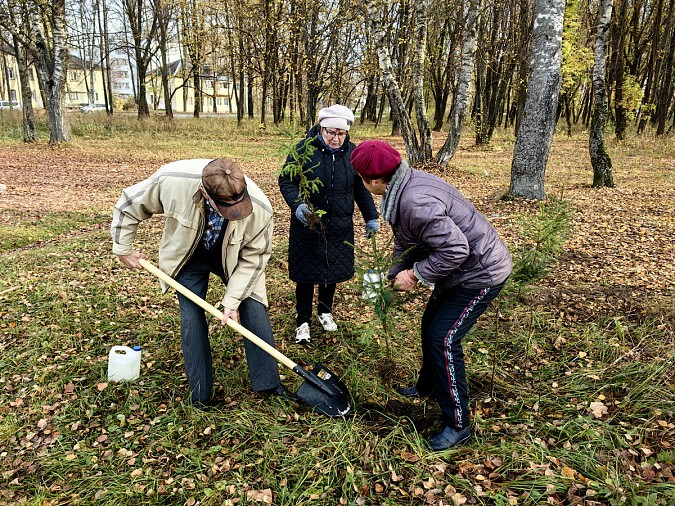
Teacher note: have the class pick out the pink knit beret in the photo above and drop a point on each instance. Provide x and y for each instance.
(375, 159)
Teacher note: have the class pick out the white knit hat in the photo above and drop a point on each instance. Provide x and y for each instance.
(336, 116)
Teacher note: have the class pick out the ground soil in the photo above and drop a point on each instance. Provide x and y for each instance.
(619, 259)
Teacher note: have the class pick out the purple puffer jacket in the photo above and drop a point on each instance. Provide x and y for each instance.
(452, 243)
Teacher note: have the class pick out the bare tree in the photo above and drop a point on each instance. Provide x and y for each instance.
(398, 106)
(620, 28)
(444, 37)
(418, 80)
(165, 12)
(143, 25)
(101, 6)
(461, 96)
(665, 95)
(18, 17)
(46, 41)
(602, 164)
(535, 134)
(194, 36)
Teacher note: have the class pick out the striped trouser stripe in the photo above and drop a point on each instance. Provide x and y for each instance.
(449, 362)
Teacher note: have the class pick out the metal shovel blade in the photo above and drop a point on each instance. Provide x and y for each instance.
(324, 391)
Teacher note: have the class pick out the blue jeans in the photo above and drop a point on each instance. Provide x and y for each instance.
(448, 317)
(262, 367)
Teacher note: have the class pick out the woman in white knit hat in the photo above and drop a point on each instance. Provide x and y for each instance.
(317, 254)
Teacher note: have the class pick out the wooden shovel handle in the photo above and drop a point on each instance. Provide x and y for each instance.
(218, 314)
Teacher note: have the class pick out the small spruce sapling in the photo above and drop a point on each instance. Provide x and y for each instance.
(299, 155)
(380, 293)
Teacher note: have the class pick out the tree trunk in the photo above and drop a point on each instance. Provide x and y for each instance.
(197, 82)
(523, 66)
(418, 82)
(28, 115)
(620, 112)
(665, 94)
(143, 32)
(461, 95)
(602, 164)
(106, 67)
(653, 66)
(165, 13)
(249, 95)
(398, 106)
(51, 64)
(535, 134)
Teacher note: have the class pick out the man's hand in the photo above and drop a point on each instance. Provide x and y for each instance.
(130, 261)
(405, 280)
(230, 313)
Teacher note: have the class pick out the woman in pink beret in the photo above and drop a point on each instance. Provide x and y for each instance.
(452, 249)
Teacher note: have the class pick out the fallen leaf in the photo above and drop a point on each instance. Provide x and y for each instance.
(409, 457)
(458, 499)
(598, 409)
(568, 471)
(264, 496)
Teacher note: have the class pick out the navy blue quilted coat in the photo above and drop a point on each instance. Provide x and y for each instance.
(320, 256)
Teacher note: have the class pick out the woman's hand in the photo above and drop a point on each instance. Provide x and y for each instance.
(301, 213)
(372, 227)
(405, 280)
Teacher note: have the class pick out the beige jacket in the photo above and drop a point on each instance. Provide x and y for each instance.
(174, 192)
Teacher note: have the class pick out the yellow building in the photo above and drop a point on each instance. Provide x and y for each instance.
(10, 86)
(84, 83)
(217, 96)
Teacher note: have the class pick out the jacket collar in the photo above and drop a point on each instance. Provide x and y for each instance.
(391, 197)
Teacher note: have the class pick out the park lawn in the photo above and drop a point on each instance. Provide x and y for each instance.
(571, 376)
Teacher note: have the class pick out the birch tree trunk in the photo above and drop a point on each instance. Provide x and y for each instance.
(461, 99)
(535, 134)
(600, 160)
(418, 82)
(28, 115)
(51, 59)
(40, 30)
(396, 101)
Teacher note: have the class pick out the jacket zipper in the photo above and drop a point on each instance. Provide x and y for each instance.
(192, 249)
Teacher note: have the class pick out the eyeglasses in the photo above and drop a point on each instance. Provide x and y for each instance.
(334, 133)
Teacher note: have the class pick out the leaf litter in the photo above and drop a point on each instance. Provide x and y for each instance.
(613, 272)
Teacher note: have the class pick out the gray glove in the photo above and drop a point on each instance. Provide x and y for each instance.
(372, 227)
(301, 213)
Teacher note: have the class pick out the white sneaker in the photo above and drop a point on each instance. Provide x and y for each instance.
(302, 334)
(327, 322)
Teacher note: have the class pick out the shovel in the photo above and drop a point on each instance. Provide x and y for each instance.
(322, 389)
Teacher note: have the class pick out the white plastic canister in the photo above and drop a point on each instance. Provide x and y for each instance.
(371, 281)
(124, 363)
